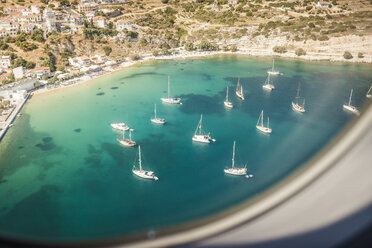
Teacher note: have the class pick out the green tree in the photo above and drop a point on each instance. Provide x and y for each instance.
(134, 57)
(347, 55)
(189, 46)
(279, 49)
(300, 52)
(360, 55)
(107, 50)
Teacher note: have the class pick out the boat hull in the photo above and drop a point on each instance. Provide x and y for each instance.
(126, 142)
(203, 139)
(158, 121)
(369, 96)
(145, 174)
(351, 109)
(228, 104)
(171, 100)
(268, 87)
(273, 72)
(236, 172)
(264, 129)
(119, 126)
(239, 95)
(298, 108)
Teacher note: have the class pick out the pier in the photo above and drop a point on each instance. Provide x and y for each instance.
(11, 117)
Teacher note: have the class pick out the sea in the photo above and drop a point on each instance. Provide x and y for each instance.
(64, 176)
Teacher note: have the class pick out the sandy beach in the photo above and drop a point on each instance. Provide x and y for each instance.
(182, 54)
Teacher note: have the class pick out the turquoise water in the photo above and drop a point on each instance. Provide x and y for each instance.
(65, 177)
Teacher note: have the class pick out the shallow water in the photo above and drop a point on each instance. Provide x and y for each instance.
(63, 175)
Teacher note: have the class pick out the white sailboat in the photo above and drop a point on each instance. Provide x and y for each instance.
(169, 99)
(227, 103)
(349, 107)
(260, 125)
(233, 170)
(143, 173)
(120, 126)
(127, 142)
(157, 120)
(273, 71)
(297, 107)
(199, 136)
(267, 85)
(369, 92)
(239, 90)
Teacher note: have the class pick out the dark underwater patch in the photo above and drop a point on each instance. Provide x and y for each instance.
(134, 75)
(114, 88)
(100, 93)
(77, 130)
(94, 157)
(3, 181)
(21, 147)
(47, 139)
(44, 207)
(47, 144)
(205, 104)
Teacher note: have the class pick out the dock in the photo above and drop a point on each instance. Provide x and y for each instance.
(11, 117)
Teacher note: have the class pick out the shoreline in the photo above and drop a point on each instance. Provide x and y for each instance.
(182, 54)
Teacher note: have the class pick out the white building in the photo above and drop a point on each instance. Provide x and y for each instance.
(124, 25)
(49, 20)
(322, 4)
(19, 72)
(88, 7)
(5, 61)
(35, 9)
(99, 22)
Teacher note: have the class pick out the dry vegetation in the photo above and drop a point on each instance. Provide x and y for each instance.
(165, 26)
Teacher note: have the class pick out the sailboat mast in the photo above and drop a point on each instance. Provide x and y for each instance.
(259, 118)
(298, 93)
(267, 122)
(139, 158)
(233, 157)
(200, 123)
(262, 118)
(130, 134)
(351, 93)
(227, 94)
(237, 86)
(155, 110)
(168, 87)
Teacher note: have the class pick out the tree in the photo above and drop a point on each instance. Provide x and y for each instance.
(234, 48)
(11, 77)
(155, 53)
(279, 49)
(143, 42)
(134, 57)
(300, 52)
(189, 46)
(360, 55)
(132, 34)
(164, 1)
(107, 50)
(347, 55)
(207, 46)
